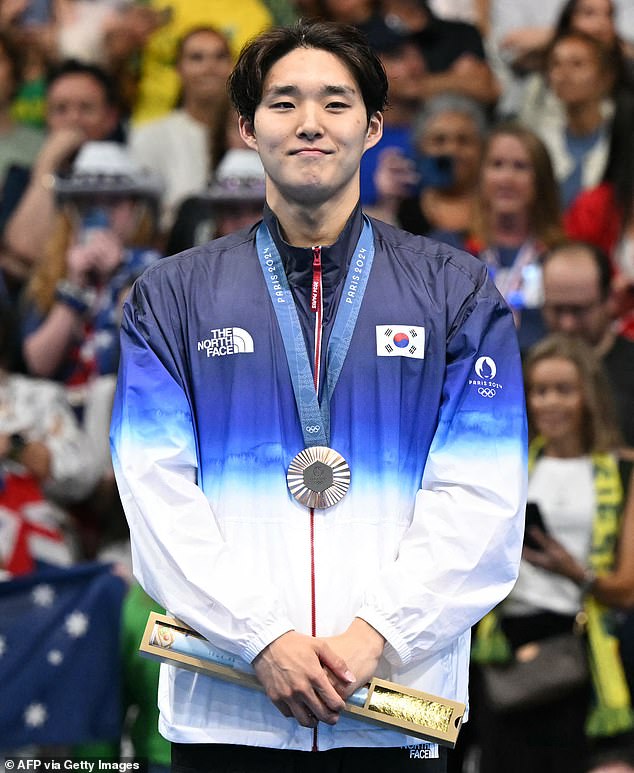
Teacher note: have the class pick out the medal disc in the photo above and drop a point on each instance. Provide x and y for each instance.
(318, 477)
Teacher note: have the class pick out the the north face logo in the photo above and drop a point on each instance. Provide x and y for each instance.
(226, 340)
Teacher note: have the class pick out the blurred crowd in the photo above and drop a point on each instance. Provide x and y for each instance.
(509, 134)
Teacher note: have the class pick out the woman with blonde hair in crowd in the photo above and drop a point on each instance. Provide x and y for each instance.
(517, 218)
(105, 225)
(579, 559)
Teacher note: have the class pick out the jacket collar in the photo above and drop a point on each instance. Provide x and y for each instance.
(335, 258)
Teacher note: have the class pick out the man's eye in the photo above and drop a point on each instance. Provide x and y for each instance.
(282, 105)
(337, 105)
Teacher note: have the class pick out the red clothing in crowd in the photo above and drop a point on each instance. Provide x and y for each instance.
(596, 218)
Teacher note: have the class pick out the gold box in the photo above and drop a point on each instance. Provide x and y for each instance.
(383, 703)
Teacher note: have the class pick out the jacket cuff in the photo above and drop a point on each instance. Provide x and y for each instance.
(263, 638)
(396, 649)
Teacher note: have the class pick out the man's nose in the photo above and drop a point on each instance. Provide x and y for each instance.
(73, 116)
(568, 322)
(309, 125)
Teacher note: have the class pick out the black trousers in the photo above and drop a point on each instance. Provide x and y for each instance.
(228, 758)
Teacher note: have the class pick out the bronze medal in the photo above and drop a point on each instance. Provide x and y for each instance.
(318, 477)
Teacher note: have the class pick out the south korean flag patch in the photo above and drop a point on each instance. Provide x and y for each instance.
(400, 341)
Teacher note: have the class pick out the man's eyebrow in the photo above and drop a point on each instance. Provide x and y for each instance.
(292, 90)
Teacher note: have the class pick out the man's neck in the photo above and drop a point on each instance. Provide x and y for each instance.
(308, 225)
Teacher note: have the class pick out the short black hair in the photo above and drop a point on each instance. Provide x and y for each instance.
(346, 42)
(75, 67)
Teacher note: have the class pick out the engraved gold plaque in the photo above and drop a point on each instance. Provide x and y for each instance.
(386, 704)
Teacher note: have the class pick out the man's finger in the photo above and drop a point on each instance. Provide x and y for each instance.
(283, 708)
(303, 713)
(335, 663)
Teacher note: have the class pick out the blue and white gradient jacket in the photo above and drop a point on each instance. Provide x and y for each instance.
(426, 541)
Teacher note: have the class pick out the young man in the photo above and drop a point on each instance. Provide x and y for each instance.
(413, 358)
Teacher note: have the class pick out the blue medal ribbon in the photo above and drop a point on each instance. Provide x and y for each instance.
(315, 418)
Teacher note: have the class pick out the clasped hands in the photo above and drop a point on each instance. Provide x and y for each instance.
(309, 678)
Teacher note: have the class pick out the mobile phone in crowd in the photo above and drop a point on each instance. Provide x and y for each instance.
(93, 220)
(435, 171)
(534, 517)
(36, 13)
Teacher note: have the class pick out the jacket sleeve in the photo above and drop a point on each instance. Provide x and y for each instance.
(178, 551)
(460, 555)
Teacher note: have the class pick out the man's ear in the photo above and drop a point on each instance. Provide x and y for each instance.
(247, 132)
(374, 131)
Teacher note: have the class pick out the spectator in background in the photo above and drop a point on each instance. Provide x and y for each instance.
(585, 561)
(159, 82)
(604, 215)
(521, 32)
(32, 26)
(182, 146)
(435, 194)
(454, 52)
(581, 73)
(45, 460)
(18, 143)
(578, 301)
(474, 12)
(357, 12)
(234, 200)
(104, 222)
(81, 105)
(590, 17)
(405, 68)
(517, 219)
(38, 428)
(598, 18)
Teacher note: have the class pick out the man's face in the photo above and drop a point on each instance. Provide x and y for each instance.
(456, 135)
(572, 297)
(404, 68)
(311, 129)
(78, 101)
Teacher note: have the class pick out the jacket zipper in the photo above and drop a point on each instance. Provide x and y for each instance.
(316, 305)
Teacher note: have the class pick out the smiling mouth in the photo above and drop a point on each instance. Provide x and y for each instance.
(309, 152)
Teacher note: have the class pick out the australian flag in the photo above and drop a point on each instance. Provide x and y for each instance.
(60, 656)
